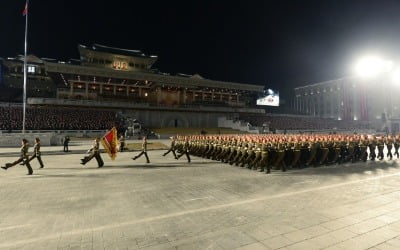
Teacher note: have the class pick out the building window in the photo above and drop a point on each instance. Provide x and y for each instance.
(31, 69)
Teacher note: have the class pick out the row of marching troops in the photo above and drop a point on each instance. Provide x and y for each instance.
(92, 153)
(266, 152)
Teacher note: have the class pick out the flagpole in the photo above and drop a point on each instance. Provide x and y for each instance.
(26, 12)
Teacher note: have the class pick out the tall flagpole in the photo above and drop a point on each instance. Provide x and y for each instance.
(25, 64)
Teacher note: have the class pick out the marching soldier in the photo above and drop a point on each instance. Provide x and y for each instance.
(363, 148)
(381, 146)
(185, 150)
(144, 150)
(264, 163)
(396, 145)
(36, 153)
(296, 146)
(324, 151)
(372, 146)
(23, 158)
(171, 147)
(94, 152)
(389, 146)
(350, 150)
(279, 162)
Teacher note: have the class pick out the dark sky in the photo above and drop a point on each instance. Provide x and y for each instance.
(279, 44)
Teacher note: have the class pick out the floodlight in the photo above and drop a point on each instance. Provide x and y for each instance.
(372, 65)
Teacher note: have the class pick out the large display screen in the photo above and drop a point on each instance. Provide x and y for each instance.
(270, 98)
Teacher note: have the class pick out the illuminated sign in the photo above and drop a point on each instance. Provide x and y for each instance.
(270, 98)
(120, 65)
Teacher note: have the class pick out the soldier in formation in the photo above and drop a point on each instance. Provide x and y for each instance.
(282, 152)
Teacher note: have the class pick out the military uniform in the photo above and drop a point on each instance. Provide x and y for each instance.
(37, 153)
(144, 151)
(23, 158)
(171, 148)
(396, 145)
(381, 146)
(389, 146)
(94, 152)
(185, 150)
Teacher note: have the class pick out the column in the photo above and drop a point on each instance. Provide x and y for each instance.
(184, 96)
(179, 97)
(101, 88)
(140, 91)
(114, 89)
(127, 90)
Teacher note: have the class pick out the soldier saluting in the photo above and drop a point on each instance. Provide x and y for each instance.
(23, 158)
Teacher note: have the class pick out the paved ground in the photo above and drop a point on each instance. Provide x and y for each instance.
(170, 204)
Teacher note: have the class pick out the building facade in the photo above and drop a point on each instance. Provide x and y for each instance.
(127, 79)
(353, 98)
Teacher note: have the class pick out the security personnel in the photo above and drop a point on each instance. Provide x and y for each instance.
(171, 147)
(144, 150)
(94, 151)
(66, 142)
(36, 153)
(23, 158)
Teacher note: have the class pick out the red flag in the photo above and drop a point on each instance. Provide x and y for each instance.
(109, 142)
(25, 11)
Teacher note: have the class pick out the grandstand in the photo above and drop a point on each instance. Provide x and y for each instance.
(124, 81)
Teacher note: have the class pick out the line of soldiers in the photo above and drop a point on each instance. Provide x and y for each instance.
(24, 158)
(266, 152)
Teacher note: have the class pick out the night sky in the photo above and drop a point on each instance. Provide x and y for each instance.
(279, 44)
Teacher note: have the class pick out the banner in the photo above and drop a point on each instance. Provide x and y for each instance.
(110, 142)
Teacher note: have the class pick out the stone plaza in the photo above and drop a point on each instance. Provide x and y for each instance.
(172, 204)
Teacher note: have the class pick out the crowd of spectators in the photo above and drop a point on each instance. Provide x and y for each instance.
(291, 122)
(56, 118)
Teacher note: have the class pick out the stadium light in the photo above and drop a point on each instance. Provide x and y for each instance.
(371, 66)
